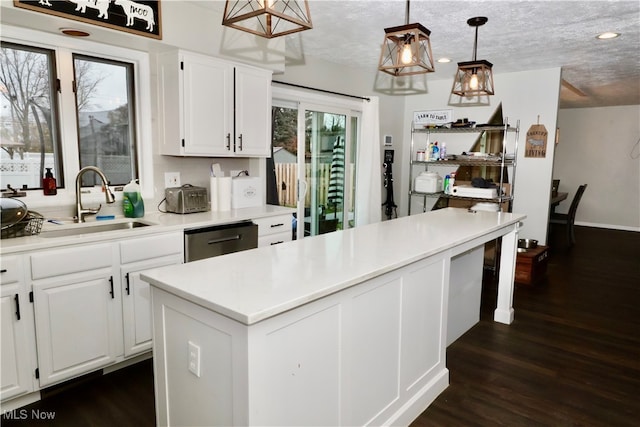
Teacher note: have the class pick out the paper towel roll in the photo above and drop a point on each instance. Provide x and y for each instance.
(224, 193)
(214, 194)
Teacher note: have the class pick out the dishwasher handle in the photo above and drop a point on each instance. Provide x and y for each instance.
(224, 239)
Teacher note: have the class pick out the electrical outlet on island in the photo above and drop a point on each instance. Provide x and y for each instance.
(171, 179)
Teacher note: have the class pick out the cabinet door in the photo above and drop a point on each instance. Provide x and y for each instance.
(16, 373)
(136, 305)
(253, 112)
(78, 324)
(207, 98)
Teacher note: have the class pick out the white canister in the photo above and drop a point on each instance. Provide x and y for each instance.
(428, 182)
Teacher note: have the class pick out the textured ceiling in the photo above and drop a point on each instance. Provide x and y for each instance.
(519, 36)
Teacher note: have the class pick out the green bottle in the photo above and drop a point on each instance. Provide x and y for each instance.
(132, 203)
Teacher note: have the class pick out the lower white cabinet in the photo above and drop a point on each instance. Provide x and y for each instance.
(138, 255)
(90, 307)
(274, 230)
(78, 317)
(16, 330)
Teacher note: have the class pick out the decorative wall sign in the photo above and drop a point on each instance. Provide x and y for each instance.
(137, 17)
(536, 144)
(432, 117)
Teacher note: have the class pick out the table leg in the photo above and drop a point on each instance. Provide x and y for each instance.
(504, 311)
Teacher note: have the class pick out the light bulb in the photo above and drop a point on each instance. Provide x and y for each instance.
(473, 83)
(407, 55)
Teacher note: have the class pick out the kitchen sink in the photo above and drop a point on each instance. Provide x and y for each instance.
(80, 229)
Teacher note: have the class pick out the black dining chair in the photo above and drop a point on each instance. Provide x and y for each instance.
(569, 218)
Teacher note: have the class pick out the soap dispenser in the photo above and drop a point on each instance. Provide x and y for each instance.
(49, 184)
(132, 203)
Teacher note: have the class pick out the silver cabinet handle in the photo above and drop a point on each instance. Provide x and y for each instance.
(240, 139)
(228, 141)
(223, 239)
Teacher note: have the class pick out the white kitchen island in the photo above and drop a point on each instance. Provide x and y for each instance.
(346, 328)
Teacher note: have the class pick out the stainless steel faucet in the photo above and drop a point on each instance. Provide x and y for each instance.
(81, 211)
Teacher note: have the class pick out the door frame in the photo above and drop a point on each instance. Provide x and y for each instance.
(308, 101)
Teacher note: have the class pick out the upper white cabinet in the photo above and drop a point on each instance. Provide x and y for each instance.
(213, 108)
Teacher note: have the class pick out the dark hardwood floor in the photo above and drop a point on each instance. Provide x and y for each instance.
(571, 358)
(572, 355)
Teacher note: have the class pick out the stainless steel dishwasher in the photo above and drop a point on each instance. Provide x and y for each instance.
(207, 242)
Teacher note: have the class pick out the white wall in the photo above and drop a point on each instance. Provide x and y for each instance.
(525, 96)
(600, 147)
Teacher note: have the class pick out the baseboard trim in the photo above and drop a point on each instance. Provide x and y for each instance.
(608, 226)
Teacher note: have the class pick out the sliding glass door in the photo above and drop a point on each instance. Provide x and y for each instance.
(315, 171)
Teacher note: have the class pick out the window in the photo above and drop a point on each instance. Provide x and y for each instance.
(69, 107)
(29, 116)
(104, 106)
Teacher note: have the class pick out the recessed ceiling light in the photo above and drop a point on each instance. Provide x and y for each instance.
(74, 32)
(607, 35)
(444, 60)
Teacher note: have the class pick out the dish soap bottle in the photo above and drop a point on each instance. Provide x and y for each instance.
(49, 184)
(132, 203)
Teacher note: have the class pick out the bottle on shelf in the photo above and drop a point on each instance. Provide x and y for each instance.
(435, 153)
(443, 150)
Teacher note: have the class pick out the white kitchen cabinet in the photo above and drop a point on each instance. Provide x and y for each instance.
(274, 230)
(253, 112)
(16, 327)
(78, 316)
(213, 108)
(138, 255)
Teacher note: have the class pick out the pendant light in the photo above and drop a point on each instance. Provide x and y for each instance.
(406, 49)
(475, 77)
(267, 18)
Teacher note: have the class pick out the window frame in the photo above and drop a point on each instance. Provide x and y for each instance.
(64, 48)
(131, 101)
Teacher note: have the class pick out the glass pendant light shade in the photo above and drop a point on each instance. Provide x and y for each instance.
(474, 78)
(267, 18)
(406, 50)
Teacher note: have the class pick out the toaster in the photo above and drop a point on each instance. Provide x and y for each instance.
(186, 199)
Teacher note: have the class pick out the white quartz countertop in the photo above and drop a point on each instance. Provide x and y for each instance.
(158, 222)
(253, 285)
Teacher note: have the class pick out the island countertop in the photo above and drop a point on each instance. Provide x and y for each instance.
(253, 285)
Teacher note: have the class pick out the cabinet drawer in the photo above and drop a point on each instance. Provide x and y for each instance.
(73, 260)
(11, 267)
(274, 239)
(151, 247)
(273, 224)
